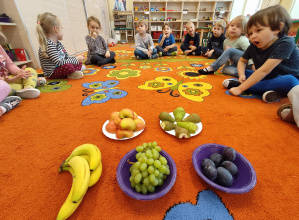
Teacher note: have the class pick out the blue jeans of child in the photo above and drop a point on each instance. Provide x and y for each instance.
(232, 54)
(281, 83)
(142, 55)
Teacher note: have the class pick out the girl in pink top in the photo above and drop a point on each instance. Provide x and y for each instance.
(22, 81)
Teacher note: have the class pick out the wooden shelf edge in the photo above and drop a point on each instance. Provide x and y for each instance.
(22, 62)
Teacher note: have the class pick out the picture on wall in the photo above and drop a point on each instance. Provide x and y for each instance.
(120, 5)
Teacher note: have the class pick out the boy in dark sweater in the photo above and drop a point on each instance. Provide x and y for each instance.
(191, 41)
(214, 49)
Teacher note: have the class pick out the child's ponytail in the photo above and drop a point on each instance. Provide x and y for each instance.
(44, 27)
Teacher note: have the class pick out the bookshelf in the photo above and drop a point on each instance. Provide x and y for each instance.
(6, 24)
(123, 26)
(203, 13)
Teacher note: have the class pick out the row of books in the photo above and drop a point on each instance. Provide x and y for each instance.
(16, 54)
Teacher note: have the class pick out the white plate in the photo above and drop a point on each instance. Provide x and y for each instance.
(172, 132)
(113, 136)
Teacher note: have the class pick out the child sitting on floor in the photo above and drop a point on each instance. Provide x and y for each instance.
(21, 80)
(144, 45)
(191, 41)
(234, 46)
(275, 57)
(166, 43)
(54, 60)
(214, 48)
(7, 103)
(98, 51)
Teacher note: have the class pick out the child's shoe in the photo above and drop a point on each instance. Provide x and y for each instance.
(75, 75)
(28, 93)
(285, 112)
(10, 102)
(41, 81)
(174, 53)
(271, 96)
(205, 71)
(154, 56)
(160, 54)
(230, 83)
(138, 58)
(193, 53)
(112, 61)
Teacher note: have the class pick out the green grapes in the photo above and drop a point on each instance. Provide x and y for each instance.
(150, 170)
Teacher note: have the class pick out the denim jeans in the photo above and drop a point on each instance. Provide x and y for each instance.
(142, 55)
(168, 53)
(232, 54)
(281, 83)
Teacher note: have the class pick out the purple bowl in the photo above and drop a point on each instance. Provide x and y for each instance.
(244, 180)
(123, 175)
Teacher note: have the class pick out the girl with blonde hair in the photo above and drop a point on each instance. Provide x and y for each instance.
(54, 60)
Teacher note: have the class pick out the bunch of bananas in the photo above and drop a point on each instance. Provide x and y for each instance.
(85, 165)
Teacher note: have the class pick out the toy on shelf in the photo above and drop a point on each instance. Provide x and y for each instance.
(135, 8)
(140, 9)
(154, 19)
(169, 19)
(152, 9)
(146, 18)
(163, 9)
(162, 18)
(157, 8)
(136, 18)
(208, 18)
(145, 8)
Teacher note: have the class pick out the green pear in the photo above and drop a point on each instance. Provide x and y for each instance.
(179, 114)
(167, 125)
(181, 132)
(192, 118)
(190, 126)
(165, 116)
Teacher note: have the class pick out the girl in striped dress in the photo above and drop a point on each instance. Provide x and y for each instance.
(54, 60)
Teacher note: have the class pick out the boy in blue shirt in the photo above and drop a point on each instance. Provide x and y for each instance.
(166, 44)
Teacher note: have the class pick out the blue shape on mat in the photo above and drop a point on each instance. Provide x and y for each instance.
(209, 206)
(245, 95)
(101, 91)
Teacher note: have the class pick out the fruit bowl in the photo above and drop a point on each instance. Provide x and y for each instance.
(123, 175)
(243, 181)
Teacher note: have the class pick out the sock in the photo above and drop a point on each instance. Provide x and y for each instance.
(285, 113)
(2, 110)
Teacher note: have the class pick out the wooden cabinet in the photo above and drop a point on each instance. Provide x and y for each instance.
(203, 13)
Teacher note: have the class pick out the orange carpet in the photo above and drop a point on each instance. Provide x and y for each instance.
(38, 135)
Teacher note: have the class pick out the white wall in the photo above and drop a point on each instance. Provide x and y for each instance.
(295, 10)
(237, 8)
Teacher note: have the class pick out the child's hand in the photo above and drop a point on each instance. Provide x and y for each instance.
(227, 47)
(166, 49)
(94, 34)
(24, 74)
(80, 58)
(235, 91)
(164, 36)
(242, 78)
(192, 48)
(107, 54)
(149, 53)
